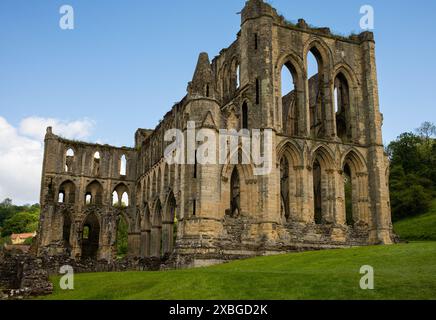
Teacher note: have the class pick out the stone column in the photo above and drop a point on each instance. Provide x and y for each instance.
(156, 237)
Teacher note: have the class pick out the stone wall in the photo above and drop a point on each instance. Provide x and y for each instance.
(25, 275)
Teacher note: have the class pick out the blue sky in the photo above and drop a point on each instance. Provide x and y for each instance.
(127, 62)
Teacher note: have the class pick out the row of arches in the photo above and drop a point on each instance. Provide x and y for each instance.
(160, 180)
(93, 194)
(96, 159)
(159, 227)
(328, 183)
(156, 224)
(328, 96)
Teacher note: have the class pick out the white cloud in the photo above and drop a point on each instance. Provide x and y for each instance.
(34, 127)
(21, 153)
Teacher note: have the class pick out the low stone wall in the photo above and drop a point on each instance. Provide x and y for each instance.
(25, 275)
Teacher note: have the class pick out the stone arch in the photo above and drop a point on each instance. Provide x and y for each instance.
(96, 163)
(94, 192)
(90, 239)
(324, 53)
(68, 191)
(123, 228)
(323, 178)
(291, 181)
(145, 232)
(291, 104)
(346, 91)
(123, 165)
(319, 95)
(246, 169)
(156, 231)
(121, 190)
(70, 153)
(169, 224)
(224, 81)
(355, 201)
(290, 149)
(234, 75)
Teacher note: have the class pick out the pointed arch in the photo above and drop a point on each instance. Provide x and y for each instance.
(320, 108)
(156, 232)
(122, 195)
(90, 240)
(247, 170)
(291, 150)
(122, 235)
(69, 160)
(94, 193)
(67, 192)
(146, 227)
(123, 165)
(323, 185)
(325, 155)
(291, 162)
(169, 224)
(96, 162)
(291, 101)
(355, 189)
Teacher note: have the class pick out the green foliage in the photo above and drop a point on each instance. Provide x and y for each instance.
(122, 237)
(18, 219)
(5, 240)
(405, 271)
(28, 242)
(413, 172)
(21, 222)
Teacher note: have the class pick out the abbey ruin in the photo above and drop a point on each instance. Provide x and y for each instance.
(329, 183)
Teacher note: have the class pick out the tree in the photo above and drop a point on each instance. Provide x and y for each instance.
(21, 222)
(427, 130)
(413, 172)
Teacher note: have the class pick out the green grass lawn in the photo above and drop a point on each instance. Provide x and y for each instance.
(406, 271)
(422, 227)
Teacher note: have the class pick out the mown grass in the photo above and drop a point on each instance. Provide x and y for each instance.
(418, 228)
(406, 271)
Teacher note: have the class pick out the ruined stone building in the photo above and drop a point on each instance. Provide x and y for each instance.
(329, 183)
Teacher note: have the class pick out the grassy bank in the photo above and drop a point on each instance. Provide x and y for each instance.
(405, 271)
(418, 228)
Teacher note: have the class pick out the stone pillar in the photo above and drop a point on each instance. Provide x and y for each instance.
(379, 191)
(134, 239)
(167, 237)
(330, 115)
(156, 238)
